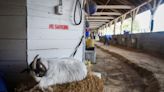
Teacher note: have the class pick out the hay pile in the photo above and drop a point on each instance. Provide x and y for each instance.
(90, 84)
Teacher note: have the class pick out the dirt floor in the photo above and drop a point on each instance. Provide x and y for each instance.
(117, 75)
(149, 67)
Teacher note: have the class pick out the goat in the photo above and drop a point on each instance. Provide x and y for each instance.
(57, 71)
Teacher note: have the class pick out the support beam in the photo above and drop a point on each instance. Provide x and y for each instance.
(97, 23)
(98, 20)
(114, 10)
(99, 17)
(122, 21)
(153, 9)
(143, 4)
(114, 7)
(107, 13)
(133, 15)
(94, 25)
(115, 22)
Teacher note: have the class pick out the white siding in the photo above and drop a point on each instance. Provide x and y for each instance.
(52, 43)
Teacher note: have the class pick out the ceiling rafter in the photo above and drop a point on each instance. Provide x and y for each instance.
(100, 17)
(114, 7)
(107, 13)
(98, 20)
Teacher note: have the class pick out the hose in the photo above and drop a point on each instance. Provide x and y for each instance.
(74, 53)
(75, 10)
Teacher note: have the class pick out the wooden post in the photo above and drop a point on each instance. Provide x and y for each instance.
(107, 27)
(133, 14)
(114, 30)
(132, 22)
(115, 23)
(153, 9)
(122, 21)
(111, 22)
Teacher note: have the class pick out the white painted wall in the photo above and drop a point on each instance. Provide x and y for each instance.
(50, 43)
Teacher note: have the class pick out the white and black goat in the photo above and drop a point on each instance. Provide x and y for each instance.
(57, 71)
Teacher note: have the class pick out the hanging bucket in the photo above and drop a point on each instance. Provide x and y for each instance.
(90, 7)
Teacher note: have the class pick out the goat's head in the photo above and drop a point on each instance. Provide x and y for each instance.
(38, 66)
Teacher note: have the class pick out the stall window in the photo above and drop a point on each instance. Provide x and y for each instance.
(142, 22)
(127, 25)
(159, 19)
(118, 31)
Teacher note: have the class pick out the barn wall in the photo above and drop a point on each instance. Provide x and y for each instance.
(149, 42)
(12, 39)
(52, 43)
(24, 33)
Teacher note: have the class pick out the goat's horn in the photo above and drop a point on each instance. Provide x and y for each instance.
(34, 61)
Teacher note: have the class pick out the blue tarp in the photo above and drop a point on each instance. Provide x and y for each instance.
(2, 85)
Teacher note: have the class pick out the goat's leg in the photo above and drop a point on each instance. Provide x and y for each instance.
(50, 89)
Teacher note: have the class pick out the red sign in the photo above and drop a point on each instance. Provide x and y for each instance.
(58, 27)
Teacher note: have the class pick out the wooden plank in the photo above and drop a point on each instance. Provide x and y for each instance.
(35, 22)
(48, 8)
(46, 15)
(54, 53)
(13, 2)
(52, 44)
(42, 2)
(13, 54)
(13, 27)
(114, 7)
(12, 44)
(51, 3)
(12, 49)
(12, 10)
(98, 20)
(95, 24)
(107, 13)
(42, 34)
(99, 17)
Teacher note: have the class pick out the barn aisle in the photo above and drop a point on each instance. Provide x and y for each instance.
(122, 73)
(117, 76)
